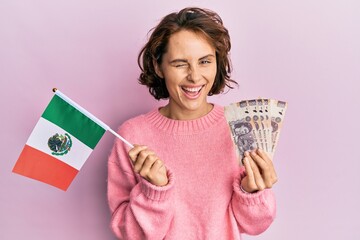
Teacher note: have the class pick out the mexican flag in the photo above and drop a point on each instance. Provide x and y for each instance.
(60, 143)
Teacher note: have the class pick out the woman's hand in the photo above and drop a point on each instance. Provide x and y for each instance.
(148, 165)
(260, 172)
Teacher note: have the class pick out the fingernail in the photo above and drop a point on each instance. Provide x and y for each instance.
(259, 150)
(246, 160)
(247, 153)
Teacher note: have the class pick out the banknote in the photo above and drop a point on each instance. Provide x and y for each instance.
(267, 123)
(241, 127)
(255, 123)
(254, 113)
(278, 109)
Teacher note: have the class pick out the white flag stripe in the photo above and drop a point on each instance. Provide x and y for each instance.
(45, 129)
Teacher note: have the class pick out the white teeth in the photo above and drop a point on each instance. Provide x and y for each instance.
(192, 89)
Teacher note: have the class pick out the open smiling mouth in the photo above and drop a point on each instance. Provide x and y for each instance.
(192, 92)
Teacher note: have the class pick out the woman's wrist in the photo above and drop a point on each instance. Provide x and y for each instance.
(243, 190)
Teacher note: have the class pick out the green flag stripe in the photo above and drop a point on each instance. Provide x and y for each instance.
(73, 121)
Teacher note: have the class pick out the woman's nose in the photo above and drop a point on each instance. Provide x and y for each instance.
(194, 74)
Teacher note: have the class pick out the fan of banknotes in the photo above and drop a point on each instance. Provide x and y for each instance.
(255, 124)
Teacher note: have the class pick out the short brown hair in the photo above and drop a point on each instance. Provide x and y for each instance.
(203, 21)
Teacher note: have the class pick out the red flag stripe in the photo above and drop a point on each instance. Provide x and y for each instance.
(38, 165)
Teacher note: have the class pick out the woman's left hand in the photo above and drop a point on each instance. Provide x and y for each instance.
(260, 171)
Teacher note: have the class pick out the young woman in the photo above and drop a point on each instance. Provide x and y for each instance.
(182, 179)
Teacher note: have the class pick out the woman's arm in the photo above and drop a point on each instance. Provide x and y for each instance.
(140, 210)
(254, 212)
(253, 202)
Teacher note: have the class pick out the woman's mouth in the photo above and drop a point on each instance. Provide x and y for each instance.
(192, 92)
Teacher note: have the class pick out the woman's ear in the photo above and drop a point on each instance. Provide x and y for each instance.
(158, 69)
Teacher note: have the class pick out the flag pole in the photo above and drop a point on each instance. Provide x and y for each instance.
(89, 115)
(121, 138)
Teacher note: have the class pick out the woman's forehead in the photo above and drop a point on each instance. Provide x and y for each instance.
(189, 43)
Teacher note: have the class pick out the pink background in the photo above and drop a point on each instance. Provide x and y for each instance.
(305, 52)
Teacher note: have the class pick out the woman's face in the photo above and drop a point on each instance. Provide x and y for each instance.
(189, 70)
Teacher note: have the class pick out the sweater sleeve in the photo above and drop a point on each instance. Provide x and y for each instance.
(253, 212)
(139, 209)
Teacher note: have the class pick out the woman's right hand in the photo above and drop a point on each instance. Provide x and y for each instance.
(148, 165)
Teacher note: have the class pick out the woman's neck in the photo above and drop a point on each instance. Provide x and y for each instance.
(174, 113)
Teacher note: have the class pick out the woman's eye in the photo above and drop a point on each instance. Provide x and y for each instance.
(204, 62)
(180, 65)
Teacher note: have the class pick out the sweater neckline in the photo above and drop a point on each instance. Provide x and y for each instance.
(185, 126)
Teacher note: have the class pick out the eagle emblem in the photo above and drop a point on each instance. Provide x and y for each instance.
(60, 144)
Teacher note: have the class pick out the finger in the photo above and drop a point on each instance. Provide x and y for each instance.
(157, 166)
(249, 170)
(264, 156)
(266, 167)
(140, 159)
(147, 165)
(248, 183)
(257, 175)
(134, 152)
(262, 164)
(254, 173)
(158, 173)
(157, 169)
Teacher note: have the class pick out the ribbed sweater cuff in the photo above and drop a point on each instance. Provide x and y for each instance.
(158, 193)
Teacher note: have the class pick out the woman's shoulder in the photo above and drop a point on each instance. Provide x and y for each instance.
(136, 122)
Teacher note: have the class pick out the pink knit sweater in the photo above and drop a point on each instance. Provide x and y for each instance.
(202, 200)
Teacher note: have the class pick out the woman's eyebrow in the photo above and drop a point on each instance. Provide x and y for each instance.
(207, 56)
(179, 60)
